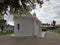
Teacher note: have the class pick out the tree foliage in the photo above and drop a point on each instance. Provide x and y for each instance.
(19, 6)
(2, 24)
(54, 22)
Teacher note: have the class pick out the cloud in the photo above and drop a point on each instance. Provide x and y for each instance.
(51, 7)
(56, 6)
(9, 19)
(49, 11)
(56, 17)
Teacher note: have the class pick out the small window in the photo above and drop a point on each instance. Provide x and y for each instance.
(18, 26)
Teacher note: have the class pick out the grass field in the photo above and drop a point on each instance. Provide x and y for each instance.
(7, 32)
(57, 30)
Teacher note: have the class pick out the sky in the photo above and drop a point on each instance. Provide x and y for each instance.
(9, 19)
(50, 11)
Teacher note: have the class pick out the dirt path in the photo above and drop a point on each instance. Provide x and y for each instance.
(50, 39)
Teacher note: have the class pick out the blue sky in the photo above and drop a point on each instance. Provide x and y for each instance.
(49, 11)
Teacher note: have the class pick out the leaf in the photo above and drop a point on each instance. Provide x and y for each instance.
(15, 6)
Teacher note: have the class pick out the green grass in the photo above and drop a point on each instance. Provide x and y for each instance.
(7, 32)
(57, 30)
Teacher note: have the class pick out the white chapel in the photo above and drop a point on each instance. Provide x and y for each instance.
(27, 25)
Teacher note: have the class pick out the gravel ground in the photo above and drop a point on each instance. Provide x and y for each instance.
(50, 39)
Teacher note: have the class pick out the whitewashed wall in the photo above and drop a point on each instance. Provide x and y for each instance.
(26, 27)
(36, 28)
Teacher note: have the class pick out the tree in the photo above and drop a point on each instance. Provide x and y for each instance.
(19, 6)
(54, 23)
(2, 24)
